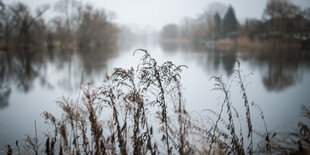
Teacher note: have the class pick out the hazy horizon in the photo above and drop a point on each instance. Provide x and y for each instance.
(155, 14)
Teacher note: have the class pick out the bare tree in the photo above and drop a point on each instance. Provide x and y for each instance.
(217, 7)
(282, 15)
(18, 23)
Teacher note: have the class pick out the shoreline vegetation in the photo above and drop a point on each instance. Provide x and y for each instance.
(74, 26)
(283, 27)
(256, 44)
(78, 26)
(142, 111)
(244, 44)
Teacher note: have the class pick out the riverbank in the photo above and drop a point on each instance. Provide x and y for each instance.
(256, 44)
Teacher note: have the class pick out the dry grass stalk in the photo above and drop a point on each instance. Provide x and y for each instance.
(116, 118)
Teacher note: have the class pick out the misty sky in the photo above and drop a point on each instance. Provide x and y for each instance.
(156, 13)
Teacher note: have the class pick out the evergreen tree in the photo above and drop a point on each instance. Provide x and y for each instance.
(218, 25)
(230, 23)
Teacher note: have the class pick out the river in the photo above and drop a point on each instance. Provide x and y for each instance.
(31, 82)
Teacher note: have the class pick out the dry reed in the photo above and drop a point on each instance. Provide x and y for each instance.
(119, 118)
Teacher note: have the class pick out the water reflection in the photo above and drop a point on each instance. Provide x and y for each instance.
(33, 80)
(284, 69)
(220, 61)
(169, 46)
(228, 60)
(279, 70)
(281, 74)
(21, 69)
(95, 59)
(4, 97)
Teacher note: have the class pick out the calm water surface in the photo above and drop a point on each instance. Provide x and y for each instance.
(31, 82)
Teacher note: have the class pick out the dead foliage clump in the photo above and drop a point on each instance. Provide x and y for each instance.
(142, 111)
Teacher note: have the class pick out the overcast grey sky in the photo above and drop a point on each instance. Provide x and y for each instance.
(156, 13)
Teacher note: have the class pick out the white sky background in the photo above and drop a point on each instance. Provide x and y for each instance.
(157, 13)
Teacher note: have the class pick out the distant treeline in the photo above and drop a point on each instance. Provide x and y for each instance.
(281, 21)
(75, 25)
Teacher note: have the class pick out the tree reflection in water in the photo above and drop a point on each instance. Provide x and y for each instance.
(20, 69)
(94, 60)
(280, 70)
(169, 46)
(228, 60)
(4, 97)
(284, 69)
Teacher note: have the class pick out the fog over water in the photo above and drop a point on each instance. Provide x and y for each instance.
(34, 84)
(53, 56)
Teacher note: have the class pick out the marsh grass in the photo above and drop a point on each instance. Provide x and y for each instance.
(142, 111)
(293, 142)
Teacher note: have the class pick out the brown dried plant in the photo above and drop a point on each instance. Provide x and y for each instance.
(119, 117)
